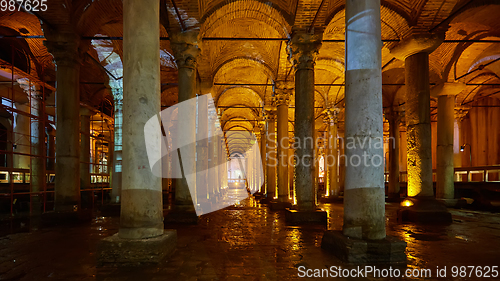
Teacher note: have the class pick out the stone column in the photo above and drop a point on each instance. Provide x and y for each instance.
(420, 205)
(141, 197)
(364, 194)
(392, 115)
(291, 171)
(85, 114)
(282, 99)
(22, 136)
(64, 49)
(185, 46)
(445, 186)
(211, 159)
(51, 141)
(263, 154)
(202, 155)
(305, 48)
(38, 164)
(331, 184)
(117, 155)
(364, 204)
(272, 159)
(141, 237)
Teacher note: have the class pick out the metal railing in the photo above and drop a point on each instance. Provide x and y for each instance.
(463, 174)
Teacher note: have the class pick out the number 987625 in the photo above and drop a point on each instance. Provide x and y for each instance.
(23, 5)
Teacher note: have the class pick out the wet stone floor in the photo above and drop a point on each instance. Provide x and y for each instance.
(244, 242)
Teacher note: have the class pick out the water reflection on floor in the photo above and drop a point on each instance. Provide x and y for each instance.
(245, 241)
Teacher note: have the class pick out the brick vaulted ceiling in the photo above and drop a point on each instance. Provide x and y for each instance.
(264, 62)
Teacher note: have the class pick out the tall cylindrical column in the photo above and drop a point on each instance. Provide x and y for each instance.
(418, 125)
(305, 48)
(141, 202)
(85, 114)
(22, 136)
(364, 204)
(282, 98)
(202, 150)
(445, 186)
(272, 159)
(331, 159)
(393, 117)
(116, 172)
(186, 51)
(64, 48)
(420, 206)
(263, 153)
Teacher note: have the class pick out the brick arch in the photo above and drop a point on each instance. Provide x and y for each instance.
(222, 13)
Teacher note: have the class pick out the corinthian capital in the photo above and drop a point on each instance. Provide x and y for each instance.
(283, 93)
(304, 48)
(186, 48)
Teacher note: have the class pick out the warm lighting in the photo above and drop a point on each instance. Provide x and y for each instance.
(462, 148)
(407, 203)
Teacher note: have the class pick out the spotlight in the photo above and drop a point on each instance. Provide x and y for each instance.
(462, 148)
(407, 203)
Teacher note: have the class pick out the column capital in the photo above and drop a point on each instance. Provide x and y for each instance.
(461, 112)
(64, 47)
(447, 89)
(282, 97)
(330, 116)
(304, 49)
(417, 42)
(186, 48)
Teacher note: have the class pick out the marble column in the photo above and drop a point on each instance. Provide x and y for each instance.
(331, 159)
(364, 197)
(186, 48)
(22, 136)
(304, 49)
(51, 142)
(445, 185)
(38, 164)
(64, 49)
(393, 116)
(116, 172)
(141, 237)
(282, 99)
(85, 114)
(291, 171)
(202, 154)
(272, 159)
(141, 196)
(263, 154)
(420, 206)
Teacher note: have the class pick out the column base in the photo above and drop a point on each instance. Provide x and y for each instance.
(296, 217)
(71, 217)
(279, 206)
(332, 199)
(425, 210)
(111, 210)
(115, 251)
(453, 203)
(181, 215)
(205, 205)
(359, 251)
(258, 196)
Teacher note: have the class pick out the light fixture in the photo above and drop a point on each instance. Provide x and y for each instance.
(407, 203)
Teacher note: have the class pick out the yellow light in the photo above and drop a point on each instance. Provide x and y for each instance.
(406, 203)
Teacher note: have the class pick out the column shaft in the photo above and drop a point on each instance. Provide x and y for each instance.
(332, 156)
(282, 115)
(364, 204)
(445, 187)
(141, 202)
(85, 151)
(272, 159)
(418, 125)
(393, 191)
(116, 172)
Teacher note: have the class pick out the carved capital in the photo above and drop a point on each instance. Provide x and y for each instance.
(30, 88)
(447, 89)
(186, 48)
(461, 112)
(417, 42)
(283, 93)
(304, 49)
